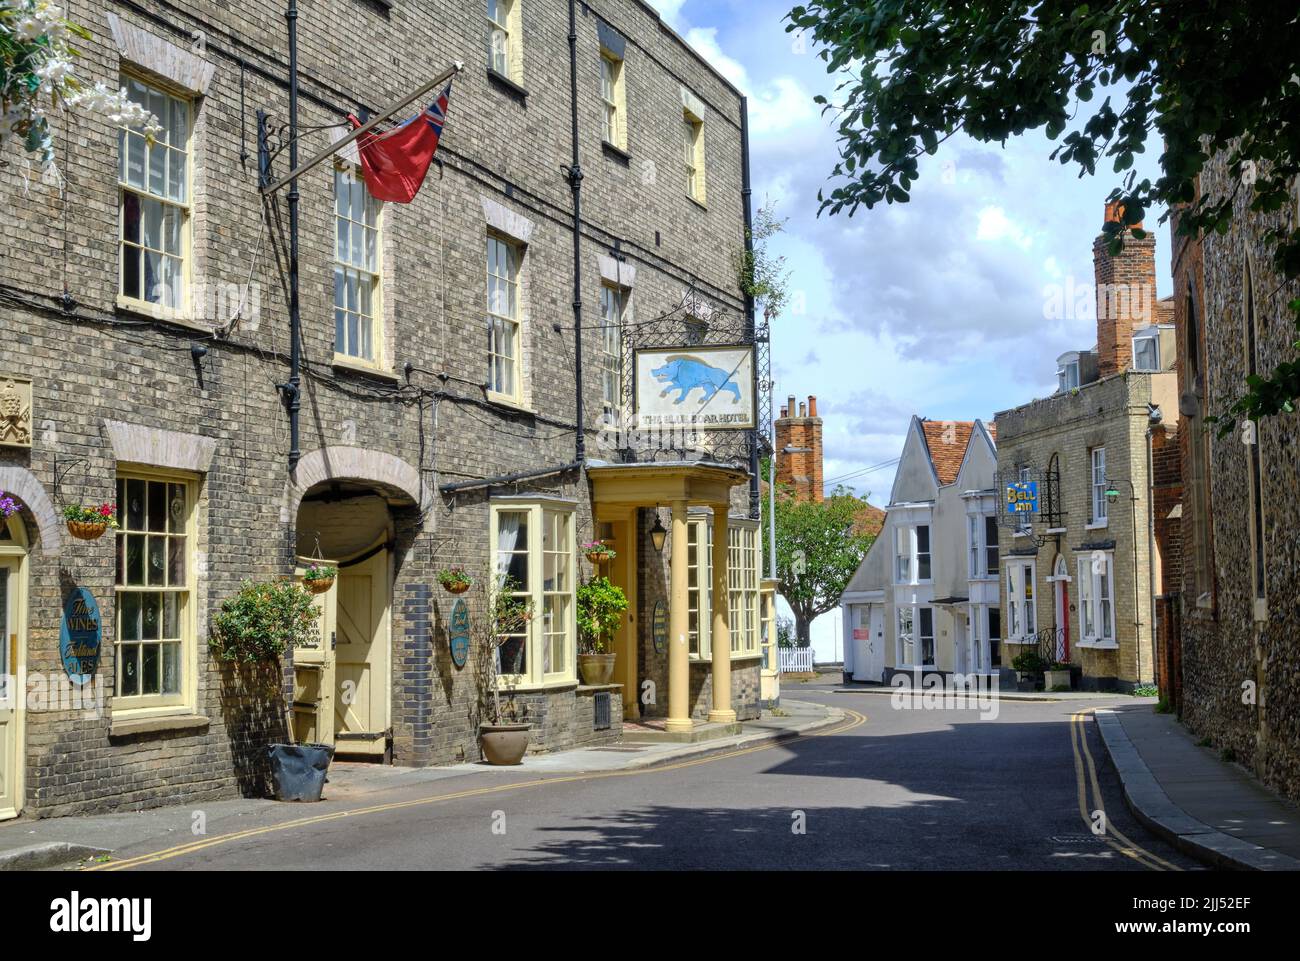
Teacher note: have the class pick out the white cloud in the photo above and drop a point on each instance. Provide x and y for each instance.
(670, 10)
(995, 225)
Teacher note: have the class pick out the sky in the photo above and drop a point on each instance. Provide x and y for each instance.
(937, 307)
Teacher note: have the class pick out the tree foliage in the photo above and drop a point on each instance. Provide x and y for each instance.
(1202, 77)
(818, 549)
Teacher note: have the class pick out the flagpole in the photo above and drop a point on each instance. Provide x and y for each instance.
(365, 128)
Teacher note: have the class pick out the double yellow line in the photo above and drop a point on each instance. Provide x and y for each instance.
(181, 850)
(1112, 835)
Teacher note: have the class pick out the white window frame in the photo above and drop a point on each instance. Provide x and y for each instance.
(1098, 515)
(1151, 337)
(978, 546)
(1022, 613)
(1067, 376)
(538, 632)
(369, 266)
(182, 701)
(504, 319)
(693, 156)
(907, 554)
(161, 102)
(615, 312)
(905, 635)
(1097, 601)
(613, 99)
(505, 39)
(990, 523)
(922, 610)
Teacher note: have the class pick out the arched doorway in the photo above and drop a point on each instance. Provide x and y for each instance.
(13, 655)
(1061, 585)
(351, 527)
(346, 505)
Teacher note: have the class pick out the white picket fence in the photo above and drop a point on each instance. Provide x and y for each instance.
(796, 660)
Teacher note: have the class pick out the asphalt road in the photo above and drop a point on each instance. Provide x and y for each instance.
(889, 789)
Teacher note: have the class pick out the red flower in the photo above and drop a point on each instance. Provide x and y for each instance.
(106, 510)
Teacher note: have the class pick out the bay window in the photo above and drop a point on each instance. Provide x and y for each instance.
(912, 554)
(742, 577)
(534, 549)
(982, 546)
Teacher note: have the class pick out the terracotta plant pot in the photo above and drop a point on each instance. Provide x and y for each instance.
(596, 669)
(319, 585)
(87, 530)
(504, 744)
(460, 587)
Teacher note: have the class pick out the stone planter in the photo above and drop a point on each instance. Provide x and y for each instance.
(503, 744)
(87, 530)
(597, 669)
(1055, 679)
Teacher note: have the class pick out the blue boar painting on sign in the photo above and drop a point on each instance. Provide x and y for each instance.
(709, 388)
(685, 374)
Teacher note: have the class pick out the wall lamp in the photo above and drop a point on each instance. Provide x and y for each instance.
(658, 533)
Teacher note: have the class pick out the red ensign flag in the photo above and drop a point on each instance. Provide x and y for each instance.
(395, 163)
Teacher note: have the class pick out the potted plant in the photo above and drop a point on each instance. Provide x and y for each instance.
(1056, 676)
(601, 606)
(89, 523)
(504, 738)
(257, 626)
(598, 552)
(454, 580)
(319, 578)
(1028, 665)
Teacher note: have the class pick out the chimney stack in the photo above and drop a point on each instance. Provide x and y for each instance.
(799, 450)
(1126, 293)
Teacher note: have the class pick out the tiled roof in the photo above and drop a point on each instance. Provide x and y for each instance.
(947, 440)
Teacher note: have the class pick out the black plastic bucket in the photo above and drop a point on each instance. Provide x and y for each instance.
(298, 770)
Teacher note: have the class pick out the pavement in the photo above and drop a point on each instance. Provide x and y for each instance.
(36, 844)
(1185, 793)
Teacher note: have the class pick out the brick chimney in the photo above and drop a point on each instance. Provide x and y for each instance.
(1126, 294)
(799, 449)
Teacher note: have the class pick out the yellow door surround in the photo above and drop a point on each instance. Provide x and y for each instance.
(620, 488)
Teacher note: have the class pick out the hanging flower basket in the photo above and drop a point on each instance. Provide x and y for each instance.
(90, 523)
(319, 578)
(8, 506)
(598, 552)
(454, 580)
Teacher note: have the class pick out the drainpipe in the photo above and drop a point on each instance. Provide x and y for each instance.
(575, 185)
(292, 391)
(746, 192)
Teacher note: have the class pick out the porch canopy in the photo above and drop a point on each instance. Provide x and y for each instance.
(621, 488)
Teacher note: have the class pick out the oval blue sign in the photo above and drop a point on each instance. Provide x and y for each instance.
(79, 636)
(458, 633)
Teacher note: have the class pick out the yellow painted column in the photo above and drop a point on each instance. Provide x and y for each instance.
(721, 712)
(679, 664)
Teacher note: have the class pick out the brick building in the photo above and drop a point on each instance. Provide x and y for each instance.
(145, 315)
(1233, 677)
(1081, 577)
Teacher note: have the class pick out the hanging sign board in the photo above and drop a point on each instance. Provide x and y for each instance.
(695, 388)
(79, 636)
(659, 627)
(458, 633)
(1022, 497)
